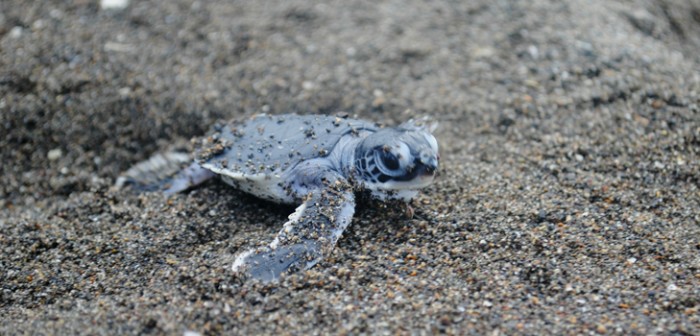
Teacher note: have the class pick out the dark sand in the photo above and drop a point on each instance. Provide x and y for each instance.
(567, 201)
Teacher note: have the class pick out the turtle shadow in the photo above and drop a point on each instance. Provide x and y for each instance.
(247, 210)
(375, 218)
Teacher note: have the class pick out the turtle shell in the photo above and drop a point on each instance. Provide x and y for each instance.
(272, 144)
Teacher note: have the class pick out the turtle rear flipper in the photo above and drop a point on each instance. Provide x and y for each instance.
(167, 172)
(310, 235)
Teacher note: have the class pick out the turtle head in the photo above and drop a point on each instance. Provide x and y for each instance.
(394, 162)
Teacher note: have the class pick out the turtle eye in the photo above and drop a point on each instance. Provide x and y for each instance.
(389, 160)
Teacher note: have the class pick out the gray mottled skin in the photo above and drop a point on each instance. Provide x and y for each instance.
(268, 144)
(316, 161)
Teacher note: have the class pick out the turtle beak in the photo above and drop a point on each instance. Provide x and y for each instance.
(431, 167)
(428, 165)
(429, 162)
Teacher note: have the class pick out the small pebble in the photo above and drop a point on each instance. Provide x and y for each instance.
(307, 85)
(601, 329)
(114, 4)
(54, 154)
(16, 32)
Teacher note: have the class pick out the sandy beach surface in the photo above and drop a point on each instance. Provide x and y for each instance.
(567, 200)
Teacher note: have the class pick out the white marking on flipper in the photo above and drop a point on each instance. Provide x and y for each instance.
(240, 261)
(310, 234)
(120, 182)
(346, 214)
(230, 173)
(293, 218)
(150, 172)
(191, 176)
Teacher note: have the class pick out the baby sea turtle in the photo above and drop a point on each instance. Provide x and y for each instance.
(316, 161)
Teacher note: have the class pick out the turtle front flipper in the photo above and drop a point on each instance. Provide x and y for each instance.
(310, 235)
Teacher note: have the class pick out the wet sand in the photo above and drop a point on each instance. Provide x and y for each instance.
(566, 203)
